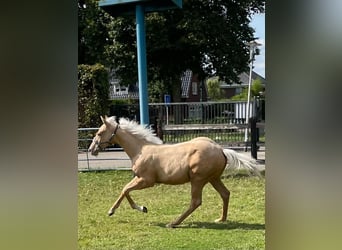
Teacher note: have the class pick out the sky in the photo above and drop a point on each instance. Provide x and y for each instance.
(258, 23)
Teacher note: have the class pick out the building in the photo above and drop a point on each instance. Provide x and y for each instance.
(123, 92)
(192, 89)
(230, 90)
(116, 91)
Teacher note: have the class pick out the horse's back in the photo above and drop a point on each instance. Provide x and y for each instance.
(203, 138)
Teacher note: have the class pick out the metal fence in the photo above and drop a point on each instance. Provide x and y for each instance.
(224, 122)
(201, 112)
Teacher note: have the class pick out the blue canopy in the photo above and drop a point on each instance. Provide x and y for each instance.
(127, 7)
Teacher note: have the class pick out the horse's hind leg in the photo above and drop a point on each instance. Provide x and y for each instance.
(135, 184)
(224, 193)
(196, 201)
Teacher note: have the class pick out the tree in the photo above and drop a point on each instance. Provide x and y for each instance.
(208, 37)
(257, 87)
(93, 39)
(214, 91)
(93, 33)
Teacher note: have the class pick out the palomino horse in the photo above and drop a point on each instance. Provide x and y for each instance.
(197, 161)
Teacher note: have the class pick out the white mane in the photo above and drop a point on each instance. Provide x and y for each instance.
(143, 132)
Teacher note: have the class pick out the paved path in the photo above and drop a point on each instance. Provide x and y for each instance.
(104, 160)
(118, 159)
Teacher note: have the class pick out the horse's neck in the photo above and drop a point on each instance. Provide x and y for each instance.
(129, 143)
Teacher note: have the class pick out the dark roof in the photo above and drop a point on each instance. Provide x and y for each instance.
(244, 78)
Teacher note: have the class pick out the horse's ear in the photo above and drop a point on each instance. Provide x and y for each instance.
(103, 119)
(106, 120)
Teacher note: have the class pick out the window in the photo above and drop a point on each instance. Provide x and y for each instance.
(194, 88)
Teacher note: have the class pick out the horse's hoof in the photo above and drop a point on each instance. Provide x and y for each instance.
(171, 225)
(144, 209)
(219, 220)
(110, 213)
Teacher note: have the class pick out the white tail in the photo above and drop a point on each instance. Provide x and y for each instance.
(237, 161)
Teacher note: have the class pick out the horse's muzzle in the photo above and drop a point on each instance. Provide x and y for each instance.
(94, 152)
(94, 149)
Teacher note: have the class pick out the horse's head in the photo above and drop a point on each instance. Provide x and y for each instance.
(104, 136)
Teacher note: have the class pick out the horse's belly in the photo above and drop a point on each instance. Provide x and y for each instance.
(174, 176)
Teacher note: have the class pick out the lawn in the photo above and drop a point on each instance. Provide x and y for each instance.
(130, 229)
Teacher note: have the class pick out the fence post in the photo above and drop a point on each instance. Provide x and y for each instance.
(159, 129)
(254, 137)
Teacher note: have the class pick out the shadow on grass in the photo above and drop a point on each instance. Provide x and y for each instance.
(230, 225)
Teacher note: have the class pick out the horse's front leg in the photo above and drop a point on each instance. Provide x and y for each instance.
(135, 184)
(135, 206)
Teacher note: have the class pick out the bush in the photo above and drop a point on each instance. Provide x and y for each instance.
(93, 92)
(256, 88)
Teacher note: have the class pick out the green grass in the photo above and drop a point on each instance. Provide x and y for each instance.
(130, 229)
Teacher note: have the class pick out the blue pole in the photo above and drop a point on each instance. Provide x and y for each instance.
(142, 65)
